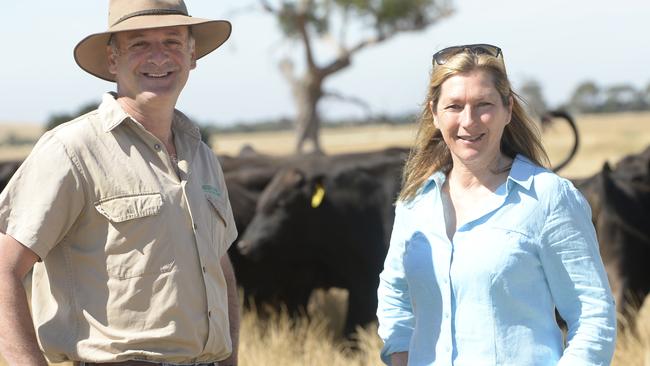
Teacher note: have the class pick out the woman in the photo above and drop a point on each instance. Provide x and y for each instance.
(486, 242)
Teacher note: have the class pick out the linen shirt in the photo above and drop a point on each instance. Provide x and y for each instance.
(488, 296)
(130, 249)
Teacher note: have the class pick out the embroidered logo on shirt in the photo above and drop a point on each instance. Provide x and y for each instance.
(211, 190)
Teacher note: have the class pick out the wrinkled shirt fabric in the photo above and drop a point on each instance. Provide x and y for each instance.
(488, 297)
(130, 243)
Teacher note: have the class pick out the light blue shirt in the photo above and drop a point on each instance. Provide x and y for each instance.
(488, 296)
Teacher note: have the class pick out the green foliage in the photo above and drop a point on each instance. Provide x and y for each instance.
(385, 16)
(585, 98)
(588, 97)
(314, 14)
(531, 91)
(57, 119)
(395, 15)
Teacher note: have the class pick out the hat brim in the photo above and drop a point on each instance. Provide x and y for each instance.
(90, 53)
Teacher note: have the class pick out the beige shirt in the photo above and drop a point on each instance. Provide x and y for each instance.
(130, 250)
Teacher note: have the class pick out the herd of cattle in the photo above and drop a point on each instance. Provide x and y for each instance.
(319, 221)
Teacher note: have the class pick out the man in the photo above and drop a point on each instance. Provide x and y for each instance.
(123, 213)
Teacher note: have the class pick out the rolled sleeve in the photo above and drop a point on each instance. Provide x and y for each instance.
(395, 313)
(577, 279)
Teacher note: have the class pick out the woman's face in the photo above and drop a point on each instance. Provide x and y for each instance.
(471, 116)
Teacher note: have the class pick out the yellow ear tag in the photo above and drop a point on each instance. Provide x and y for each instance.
(317, 197)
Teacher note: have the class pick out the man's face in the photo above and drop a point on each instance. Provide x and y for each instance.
(152, 63)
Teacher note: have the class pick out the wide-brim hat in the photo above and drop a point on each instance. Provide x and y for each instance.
(128, 15)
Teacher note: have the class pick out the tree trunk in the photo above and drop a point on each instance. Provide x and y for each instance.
(307, 92)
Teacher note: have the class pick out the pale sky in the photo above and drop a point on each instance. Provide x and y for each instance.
(557, 42)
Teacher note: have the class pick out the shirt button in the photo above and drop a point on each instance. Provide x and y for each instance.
(209, 314)
(446, 315)
(195, 226)
(446, 281)
(156, 147)
(204, 269)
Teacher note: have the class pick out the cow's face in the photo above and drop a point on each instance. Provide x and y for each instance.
(287, 208)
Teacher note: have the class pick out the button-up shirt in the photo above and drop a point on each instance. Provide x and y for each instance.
(130, 244)
(488, 296)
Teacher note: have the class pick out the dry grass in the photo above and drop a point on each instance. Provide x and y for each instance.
(17, 131)
(633, 346)
(311, 340)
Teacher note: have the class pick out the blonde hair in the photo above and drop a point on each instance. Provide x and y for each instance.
(430, 152)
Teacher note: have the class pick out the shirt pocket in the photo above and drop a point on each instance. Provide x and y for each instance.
(218, 224)
(123, 208)
(134, 246)
(511, 256)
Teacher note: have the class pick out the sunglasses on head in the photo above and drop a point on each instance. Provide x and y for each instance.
(442, 56)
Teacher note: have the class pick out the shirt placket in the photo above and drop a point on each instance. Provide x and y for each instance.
(201, 237)
(158, 149)
(201, 234)
(445, 348)
(443, 259)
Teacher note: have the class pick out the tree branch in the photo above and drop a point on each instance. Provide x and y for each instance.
(267, 6)
(350, 99)
(339, 63)
(301, 22)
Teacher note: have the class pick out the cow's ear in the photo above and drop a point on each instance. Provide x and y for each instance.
(294, 177)
(607, 168)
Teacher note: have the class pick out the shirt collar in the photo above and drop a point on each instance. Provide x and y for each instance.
(438, 178)
(110, 112)
(112, 115)
(184, 124)
(522, 172)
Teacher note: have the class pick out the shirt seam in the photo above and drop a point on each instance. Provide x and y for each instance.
(75, 306)
(66, 248)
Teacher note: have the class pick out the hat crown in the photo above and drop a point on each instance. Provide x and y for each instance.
(120, 10)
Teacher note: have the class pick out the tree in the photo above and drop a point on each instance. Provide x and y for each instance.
(586, 98)
(308, 21)
(59, 118)
(531, 92)
(622, 97)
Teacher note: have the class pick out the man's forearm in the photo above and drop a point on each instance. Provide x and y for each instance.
(18, 339)
(18, 342)
(233, 309)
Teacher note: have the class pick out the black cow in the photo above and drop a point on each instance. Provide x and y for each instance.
(325, 221)
(620, 201)
(7, 170)
(263, 285)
